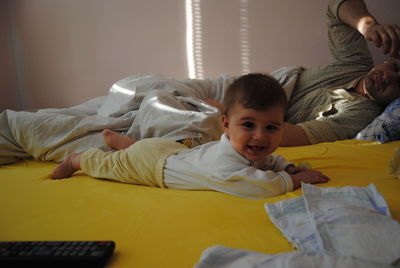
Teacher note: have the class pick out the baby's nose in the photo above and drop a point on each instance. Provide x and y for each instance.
(258, 135)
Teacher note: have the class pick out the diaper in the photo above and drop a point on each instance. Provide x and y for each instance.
(344, 221)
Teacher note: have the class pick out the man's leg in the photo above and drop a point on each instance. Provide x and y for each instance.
(10, 151)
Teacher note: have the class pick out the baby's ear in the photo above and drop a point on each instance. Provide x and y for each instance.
(225, 122)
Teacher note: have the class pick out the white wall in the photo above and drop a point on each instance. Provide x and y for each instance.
(67, 51)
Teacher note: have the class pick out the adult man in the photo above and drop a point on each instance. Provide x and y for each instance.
(337, 100)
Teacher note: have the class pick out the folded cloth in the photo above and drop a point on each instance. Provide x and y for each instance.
(343, 221)
(224, 257)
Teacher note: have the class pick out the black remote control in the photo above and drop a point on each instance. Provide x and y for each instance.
(55, 253)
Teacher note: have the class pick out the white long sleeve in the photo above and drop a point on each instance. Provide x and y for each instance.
(218, 166)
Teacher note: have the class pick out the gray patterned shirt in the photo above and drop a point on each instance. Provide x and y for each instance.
(322, 102)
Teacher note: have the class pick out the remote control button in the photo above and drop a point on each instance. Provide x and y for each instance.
(43, 252)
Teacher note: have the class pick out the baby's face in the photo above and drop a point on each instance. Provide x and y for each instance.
(253, 133)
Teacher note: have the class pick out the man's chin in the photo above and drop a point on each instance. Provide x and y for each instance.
(380, 101)
(367, 89)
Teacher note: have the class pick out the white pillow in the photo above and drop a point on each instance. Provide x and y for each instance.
(385, 127)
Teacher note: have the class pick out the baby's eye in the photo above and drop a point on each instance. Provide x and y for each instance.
(248, 125)
(271, 128)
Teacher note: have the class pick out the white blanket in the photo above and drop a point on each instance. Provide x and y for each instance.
(141, 106)
(226, 257)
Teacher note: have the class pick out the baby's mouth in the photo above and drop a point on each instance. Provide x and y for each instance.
(256, 148)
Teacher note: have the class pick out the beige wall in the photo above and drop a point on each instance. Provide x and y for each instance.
(9, 93)
(66, 52)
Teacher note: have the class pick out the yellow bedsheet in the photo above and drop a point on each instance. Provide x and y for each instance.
(155, 227)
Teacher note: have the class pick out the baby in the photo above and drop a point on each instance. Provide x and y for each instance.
(240, 163)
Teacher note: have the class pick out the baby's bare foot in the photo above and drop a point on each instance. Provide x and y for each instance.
(107, 133)
(65, 169)
(117, 141)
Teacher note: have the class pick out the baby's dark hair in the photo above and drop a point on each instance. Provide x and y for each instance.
(256, 91)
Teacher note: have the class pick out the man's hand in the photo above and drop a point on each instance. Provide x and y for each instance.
(294, 170)
(386, 36)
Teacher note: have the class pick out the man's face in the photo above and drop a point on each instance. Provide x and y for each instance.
(382, 83)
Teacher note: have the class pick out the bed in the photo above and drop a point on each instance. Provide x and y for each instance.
(155, 227)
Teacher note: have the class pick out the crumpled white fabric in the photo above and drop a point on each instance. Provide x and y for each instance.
(226, 257)
(345, 221)
(161, 108)
(331, 227)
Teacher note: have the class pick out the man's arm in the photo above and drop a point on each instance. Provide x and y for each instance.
(356, 14)
(294, 136)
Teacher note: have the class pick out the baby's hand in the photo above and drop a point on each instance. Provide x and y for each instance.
(216, 104)
(308, 176)
(294, 170)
